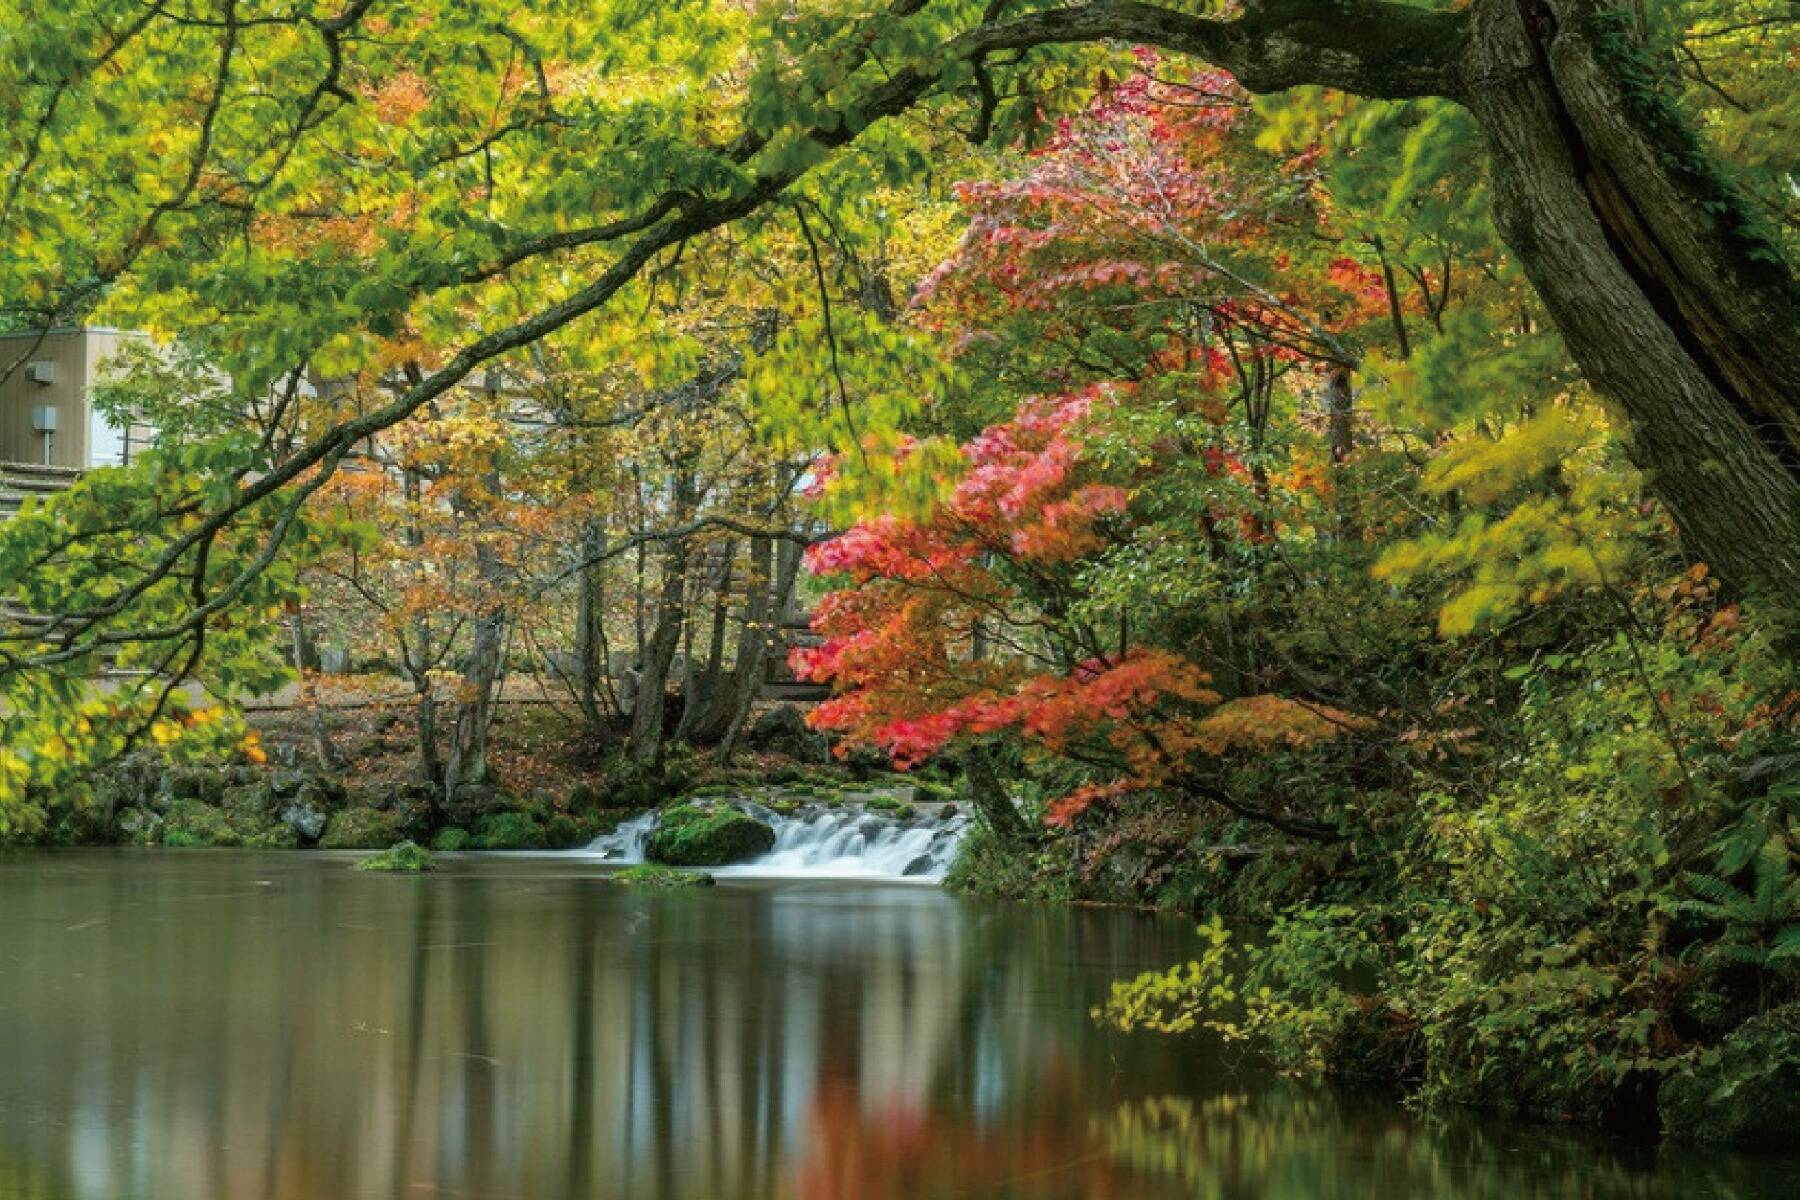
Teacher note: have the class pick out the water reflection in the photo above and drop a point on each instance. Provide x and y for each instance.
(221, 1025)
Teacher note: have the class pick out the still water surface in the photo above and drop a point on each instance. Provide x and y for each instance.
(218, 1025)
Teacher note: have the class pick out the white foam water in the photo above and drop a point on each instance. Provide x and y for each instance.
(822, 843)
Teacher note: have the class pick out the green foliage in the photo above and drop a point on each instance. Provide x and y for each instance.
(402, 857)
(1747, 1092)
(509, 831)
(451, 839)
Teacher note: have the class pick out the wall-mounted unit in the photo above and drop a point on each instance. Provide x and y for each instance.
(47, 411)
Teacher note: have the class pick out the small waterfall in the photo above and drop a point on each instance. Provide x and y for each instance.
(822, 843)
(625, 844)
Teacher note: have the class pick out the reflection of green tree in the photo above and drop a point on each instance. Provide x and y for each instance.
(24, 1179)
(1300, 1143)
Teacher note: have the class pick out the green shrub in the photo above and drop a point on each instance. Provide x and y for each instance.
(509, 831)
(451, 838)
(401, 857)
(1747, 1093)
(562, 832)
(690, 835)
(362, 828)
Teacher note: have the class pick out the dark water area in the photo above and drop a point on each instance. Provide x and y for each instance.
(221, 1025)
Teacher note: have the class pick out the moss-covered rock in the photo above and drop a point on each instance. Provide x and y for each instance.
(402, 857)
(1748, 1094)
(139, 826)
(191, 823)
(509, 831)
(653, 875)
(361, 828)
(693, 835)
(195, 783)
(783, 730)
(272, 836)
(451, 839)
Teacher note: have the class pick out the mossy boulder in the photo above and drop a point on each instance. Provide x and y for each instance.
(272, 836)
(694, 835)
(1746, 1094)
(205, 784)
(783, 730)
(452, 839)
(362, 828)
(509, 831)
(654, 875)
(402, 857)
(193, 823)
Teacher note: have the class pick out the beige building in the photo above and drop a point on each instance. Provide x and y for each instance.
(47, 414)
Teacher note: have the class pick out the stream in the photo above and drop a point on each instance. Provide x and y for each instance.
(233, 1025)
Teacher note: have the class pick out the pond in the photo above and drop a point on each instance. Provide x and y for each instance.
(221, 1025)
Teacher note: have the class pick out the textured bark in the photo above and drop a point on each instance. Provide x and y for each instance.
(698, 691)
(659, 651)
(758, 639)
(1671, 312)
(990, 799)
(466, 764)
(590, 631)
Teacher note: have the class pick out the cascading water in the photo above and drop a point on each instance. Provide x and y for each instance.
(823, 843)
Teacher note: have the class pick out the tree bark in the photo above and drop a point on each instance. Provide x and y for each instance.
(659, 652)
(990, 799)
(590, 639)
(759, 636)
(466, 763)
(1680, 318)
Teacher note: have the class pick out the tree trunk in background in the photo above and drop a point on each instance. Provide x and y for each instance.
(759, 636)
(659, 652)
(324, 751)
(590, 636)
(671, 615)
(990, 799)
(1678, 314)
(698, 691)
(466, 764)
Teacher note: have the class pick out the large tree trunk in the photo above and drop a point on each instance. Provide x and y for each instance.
(991, 800)
(466, 763)
(759, 637)
(659, 652)
(1681, 318)
(590, 629)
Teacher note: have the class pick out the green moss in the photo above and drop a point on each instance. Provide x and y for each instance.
(652, 875)
(192, 823)
(509, 831)
(451, 839)
(273, 836)
(690, 835)
(362, 828)
(932, 791)
(404, 857)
